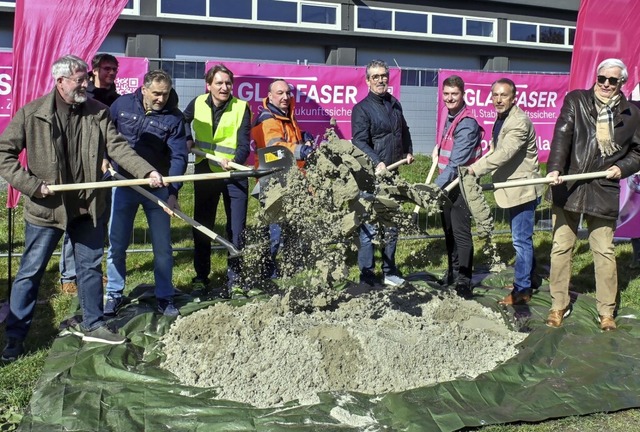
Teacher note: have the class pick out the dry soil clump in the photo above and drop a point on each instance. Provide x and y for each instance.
(265, 354)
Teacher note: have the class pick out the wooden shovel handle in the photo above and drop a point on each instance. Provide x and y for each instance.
(218, 159)
(544, 180)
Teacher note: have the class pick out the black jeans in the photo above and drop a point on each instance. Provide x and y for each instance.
(456, 223)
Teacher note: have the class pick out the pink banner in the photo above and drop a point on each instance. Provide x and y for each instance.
(320, 92)
(5, 89)
(43, 31)
(130, 76)
(540, 96)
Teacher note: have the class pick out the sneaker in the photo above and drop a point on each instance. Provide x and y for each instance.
(69, 288)
(12, 350)
(112, 305)
(464, 290)
(393, 280)
(104, 335)
(167, 308)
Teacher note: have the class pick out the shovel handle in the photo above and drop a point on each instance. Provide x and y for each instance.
(167, 179)
(233, 251)
(218, 159)
(544, 180)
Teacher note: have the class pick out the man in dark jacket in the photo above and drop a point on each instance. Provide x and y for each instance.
(66, 136)
(102, 88)
(150, 120)
(598, 130)
(381, 132)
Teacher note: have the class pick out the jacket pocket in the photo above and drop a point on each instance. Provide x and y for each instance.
(41, 208)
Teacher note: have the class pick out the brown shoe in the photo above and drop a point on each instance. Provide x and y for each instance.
(607, 323)
(69, 288)
(556, 316)
(515, 299)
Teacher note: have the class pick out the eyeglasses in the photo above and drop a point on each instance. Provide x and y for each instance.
(612, 80)
(78, 81)
(384, 77)
(109, 68)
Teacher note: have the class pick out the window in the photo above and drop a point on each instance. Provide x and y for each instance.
(522, 32)
(132, 8)
(182, 7)
(479, 28)
(237, 9)
(446, 25)
(277, 10)
(377, 19)
(552, 35)
(425, 24)
(540, 34)
(412, 22)
(318, 14)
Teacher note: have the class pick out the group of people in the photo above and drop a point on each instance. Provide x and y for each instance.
(598, 130)
(82, 132)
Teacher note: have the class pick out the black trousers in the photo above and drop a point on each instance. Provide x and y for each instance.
(456, 223)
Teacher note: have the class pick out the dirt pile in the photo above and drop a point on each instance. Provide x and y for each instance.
(265, 354)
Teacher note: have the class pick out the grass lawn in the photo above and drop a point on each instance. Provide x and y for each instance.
(18, 379)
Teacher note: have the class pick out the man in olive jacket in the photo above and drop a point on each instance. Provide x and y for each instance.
(515, 157)
(66, 136)
(598, 130)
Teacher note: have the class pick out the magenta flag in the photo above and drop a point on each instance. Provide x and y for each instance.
(45, 30)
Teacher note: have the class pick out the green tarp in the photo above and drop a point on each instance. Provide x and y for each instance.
(573, 370)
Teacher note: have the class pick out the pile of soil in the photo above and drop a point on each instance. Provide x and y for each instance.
(265, 354)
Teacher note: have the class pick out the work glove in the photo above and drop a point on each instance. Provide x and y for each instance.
(305, 152)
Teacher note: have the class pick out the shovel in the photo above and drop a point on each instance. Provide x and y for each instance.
(168, 179)
(233, 251)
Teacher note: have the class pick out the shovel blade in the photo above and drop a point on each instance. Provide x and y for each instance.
(278, 158)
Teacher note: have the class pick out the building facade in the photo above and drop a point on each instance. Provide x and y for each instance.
(420, 37)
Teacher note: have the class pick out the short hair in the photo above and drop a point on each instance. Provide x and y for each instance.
(506, 81)
(454, 81)
(275, 81)
(208, 77)
(98, 59)
(157, 75)
(67, 65)
(614, 62)
(377, 63)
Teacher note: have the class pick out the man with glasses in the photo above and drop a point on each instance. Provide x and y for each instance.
(221, 126)
(515, 157)
(103, 89)
(379, 129)
(66, 136)
(598, 130)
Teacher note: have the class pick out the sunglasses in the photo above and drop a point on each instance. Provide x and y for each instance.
(612, 80)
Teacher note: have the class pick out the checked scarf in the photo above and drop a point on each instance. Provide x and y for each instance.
(604, 124)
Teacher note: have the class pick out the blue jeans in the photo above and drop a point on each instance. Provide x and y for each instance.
(366, 252)
(522, 219)
(271, 270)
(124, 207)
(67, 263)
(87, 243)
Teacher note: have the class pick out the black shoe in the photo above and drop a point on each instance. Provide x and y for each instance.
(464, 290)
(13, 350)
(167, 308)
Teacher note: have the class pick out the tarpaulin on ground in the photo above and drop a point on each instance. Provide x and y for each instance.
(573, 370)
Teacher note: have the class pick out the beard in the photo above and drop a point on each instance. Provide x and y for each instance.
(79, 97)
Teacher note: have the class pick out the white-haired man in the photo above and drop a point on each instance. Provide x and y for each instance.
(598, 130)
